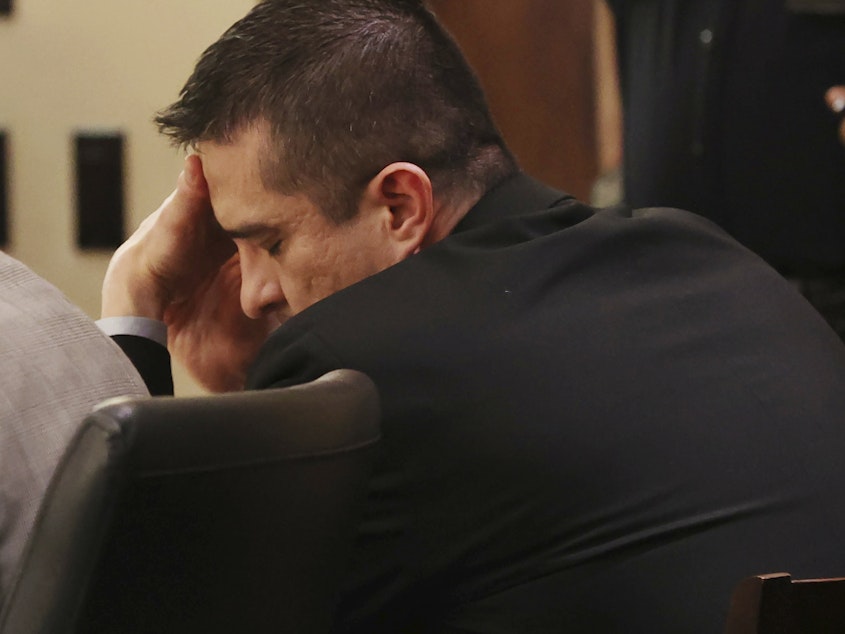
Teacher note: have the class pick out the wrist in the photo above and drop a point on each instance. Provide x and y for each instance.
(128, 292)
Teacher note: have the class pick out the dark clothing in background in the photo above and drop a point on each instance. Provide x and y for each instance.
(591, 421)
(725, 116)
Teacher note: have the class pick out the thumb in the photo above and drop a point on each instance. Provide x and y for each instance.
(191, 182)
(189, 204)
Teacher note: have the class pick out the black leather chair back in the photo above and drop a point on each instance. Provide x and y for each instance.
(225, 513)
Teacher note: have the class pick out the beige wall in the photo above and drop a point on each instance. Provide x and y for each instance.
(93, 64)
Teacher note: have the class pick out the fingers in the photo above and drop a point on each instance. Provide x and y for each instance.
(170, 253)
(835, 98)
(190, 201)
(191, 182)
(193, 192)
(212, 338)
(192, 174)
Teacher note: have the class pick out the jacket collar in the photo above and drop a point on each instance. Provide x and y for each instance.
(515, 195)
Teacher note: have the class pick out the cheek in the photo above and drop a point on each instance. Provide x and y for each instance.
(367, 258)
(333, 270)
(375, 250)
(308, 274)
(318, 268)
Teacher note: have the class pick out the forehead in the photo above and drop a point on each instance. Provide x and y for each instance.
(237, 190)
(233, 166)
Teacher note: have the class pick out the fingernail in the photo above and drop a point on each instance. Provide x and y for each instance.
(838, 104)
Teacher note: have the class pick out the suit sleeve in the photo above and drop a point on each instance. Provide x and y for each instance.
(151, 359)
(291, 357)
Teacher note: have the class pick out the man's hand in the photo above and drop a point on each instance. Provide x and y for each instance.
(210, 334)
(180, 267)
(174, 250)
(835, 98)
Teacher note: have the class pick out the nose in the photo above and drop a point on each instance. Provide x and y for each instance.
(261, 292)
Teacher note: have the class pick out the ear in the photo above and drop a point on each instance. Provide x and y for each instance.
(403, 192)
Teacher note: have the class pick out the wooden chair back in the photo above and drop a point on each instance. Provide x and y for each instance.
(777, 604)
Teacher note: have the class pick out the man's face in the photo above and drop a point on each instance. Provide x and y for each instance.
(291, 255)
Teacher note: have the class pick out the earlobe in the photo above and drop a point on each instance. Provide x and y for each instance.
(404, 191)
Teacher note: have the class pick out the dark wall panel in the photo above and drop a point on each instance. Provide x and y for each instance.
(99, 189)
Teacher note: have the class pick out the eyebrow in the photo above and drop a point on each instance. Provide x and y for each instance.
(247, 231)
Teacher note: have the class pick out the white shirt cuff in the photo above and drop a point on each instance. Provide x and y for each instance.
(137, 326)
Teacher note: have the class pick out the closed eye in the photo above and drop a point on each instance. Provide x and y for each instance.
(275, 248)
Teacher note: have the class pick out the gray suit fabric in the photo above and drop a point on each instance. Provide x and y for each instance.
(55, 366)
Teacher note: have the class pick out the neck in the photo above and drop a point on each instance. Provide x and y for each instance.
(446, 216)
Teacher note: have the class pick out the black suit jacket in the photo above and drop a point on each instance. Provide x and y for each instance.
(594, 421)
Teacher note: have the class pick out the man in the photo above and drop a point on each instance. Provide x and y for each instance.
(593, 421)
(56, 365)
(724, 115)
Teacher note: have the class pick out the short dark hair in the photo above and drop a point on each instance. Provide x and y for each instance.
(346, 88)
